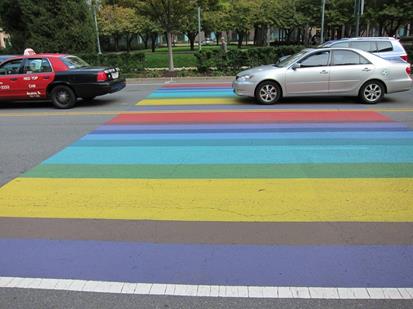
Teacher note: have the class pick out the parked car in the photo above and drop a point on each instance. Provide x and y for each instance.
(208, 41)
(325, 72)
(59, 77)
(387, 48)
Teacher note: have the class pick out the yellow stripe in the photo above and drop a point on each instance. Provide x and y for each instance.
(249, 200)
(193, 101)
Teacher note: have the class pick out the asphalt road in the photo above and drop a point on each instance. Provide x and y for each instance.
(31, 132)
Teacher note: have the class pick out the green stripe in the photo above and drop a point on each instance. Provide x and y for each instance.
(239, 142)
(385, 170)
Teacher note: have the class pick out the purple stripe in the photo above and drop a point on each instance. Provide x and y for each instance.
(320, 266)
(248, 130)
(374, 125)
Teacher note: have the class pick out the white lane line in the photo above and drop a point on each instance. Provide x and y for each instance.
(206, 290)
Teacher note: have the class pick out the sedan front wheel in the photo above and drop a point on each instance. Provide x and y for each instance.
(268, 92)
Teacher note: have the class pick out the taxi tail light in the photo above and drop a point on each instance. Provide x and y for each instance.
(102, 77)
(405, 58)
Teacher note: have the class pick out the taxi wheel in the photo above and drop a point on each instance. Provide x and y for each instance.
(63, 97)
(268, 92)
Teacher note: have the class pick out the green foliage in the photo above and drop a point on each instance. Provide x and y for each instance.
(128, 63)
(49, 26)
(235, 59)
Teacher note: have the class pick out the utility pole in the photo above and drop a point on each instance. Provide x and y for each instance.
(94, 4)
(199, 28)
(359, 11)
(323, 9)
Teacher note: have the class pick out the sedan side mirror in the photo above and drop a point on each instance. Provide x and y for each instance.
(296, 66)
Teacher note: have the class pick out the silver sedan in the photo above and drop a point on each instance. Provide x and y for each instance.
(325, 72)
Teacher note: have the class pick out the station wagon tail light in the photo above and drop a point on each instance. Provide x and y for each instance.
(404, 57)
(409, 70)
(102, 76)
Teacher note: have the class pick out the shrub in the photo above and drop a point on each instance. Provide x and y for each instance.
(128, 63)
(235, 59)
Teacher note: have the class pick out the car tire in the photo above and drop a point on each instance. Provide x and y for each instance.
(63, 97)
(268, 92)
(372, 92)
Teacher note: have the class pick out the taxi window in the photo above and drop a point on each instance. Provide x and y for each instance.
(346, 57)
(11, 67)
(38, 65)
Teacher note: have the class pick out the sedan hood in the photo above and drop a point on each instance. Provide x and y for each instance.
(258, 70)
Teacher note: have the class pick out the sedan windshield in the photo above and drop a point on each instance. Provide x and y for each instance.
(290, 59)
(74, 62)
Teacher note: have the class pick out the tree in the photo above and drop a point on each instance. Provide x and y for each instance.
(49, 26)
(169, 14)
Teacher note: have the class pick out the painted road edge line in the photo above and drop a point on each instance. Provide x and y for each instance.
(205, 290)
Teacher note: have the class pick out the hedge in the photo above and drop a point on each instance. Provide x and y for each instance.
(235, 59)
(127, 62)
(409, 51)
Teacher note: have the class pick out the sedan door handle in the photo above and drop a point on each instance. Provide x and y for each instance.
(323, 72)
(366, 70)
(13, 78)
(46, 77)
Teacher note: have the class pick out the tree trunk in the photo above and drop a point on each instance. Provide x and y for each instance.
(145, 39)
(240, 38)
(129, 39)
(154, 36)
(218, 36)
(261, 36)
(192, 36)
(170, 52)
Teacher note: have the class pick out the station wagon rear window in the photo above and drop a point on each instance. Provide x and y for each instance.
(74, 62)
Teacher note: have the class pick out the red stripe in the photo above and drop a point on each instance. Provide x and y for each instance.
(250, 117)
(221, 85)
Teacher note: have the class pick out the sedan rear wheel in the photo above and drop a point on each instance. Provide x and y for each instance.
(372, 92)
(63, 97)
(268, 92)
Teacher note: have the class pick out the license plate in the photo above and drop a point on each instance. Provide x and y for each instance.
(115, 75)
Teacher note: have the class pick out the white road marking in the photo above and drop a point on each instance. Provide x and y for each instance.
(205, 290)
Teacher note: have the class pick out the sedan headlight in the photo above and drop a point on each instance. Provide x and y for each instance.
(244, 78)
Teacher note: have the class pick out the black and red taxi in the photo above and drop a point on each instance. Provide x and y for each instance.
(58, 77)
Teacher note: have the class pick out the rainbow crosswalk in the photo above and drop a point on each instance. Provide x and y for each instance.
(198, 187)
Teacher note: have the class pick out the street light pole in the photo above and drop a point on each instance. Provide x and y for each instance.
(94, 4)
(323, 9)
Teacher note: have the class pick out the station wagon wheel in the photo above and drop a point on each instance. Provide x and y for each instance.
(63, 97)
(372, 92)
(268, 92)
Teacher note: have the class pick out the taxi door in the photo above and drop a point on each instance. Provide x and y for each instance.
(12, 85)
(38, 74)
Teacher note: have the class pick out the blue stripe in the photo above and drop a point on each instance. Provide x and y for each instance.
(235, 155)
(301, 135)
(314, 266)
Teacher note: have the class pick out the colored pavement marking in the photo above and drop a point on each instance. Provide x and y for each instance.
(251, 200)
(249, 117)
(190, 232)
(197, 101)
(236, 154)
(213, 291)
(307, 266)
(222, 171)
(256, 135)
(197, 85)
(251, 126)
(194, 94)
